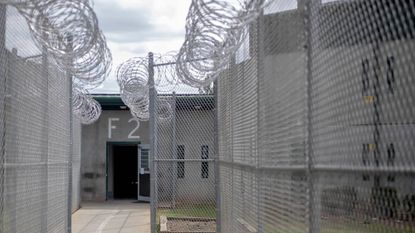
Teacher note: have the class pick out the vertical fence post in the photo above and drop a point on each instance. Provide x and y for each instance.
(231, 135)
(307, 7)
(260, 79)
(69, 77)
(216, 157)
(174, 150)
(45, 137)
(3, 68)
(11, 173)
(153, 145)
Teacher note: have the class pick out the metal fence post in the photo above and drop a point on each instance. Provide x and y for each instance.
(45, 136)
(174, 150)
(153, 145)
(11, 76)
(3, 68)
(260, 78)
(69, 77)
(307, 6)
(217, 164)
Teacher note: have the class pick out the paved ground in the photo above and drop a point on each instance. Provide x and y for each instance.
(112, 217)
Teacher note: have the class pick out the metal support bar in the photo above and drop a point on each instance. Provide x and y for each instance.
(216, 160)
(185, 160)
(69, 78)
(305, 8)
(174, 150)
(11, 78)
(153, 145)
(45, 137)
(3, 92)
(173, 63)
(41, 164)
(321, 168)
(34, 56)
(260, 82)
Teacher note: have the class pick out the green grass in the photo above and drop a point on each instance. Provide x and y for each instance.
(195, 211)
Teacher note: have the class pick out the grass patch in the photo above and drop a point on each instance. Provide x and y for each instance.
(196, 211)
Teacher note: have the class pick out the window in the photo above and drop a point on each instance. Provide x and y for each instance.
(365, 77)
(391, 178)
(365, 154)
(365, 177)
(390, 75)
(391, 160)
(205, 165)
(144, 159)
(391, 155)
(365, 160)
(376, 181)
(180, 165)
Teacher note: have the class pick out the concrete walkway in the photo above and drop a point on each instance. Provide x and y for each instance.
(112, 217)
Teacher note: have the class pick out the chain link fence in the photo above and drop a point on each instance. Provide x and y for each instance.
(182, 129)
(35, 135)
(316, 120)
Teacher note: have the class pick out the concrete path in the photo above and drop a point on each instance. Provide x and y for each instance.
(112, 217)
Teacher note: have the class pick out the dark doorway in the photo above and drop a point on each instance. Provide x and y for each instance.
(125, 171)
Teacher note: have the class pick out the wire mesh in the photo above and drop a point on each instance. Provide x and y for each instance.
(315, 120)
(184, 158)
(35, 135)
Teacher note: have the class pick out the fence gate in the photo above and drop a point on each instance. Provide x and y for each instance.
(182, 133)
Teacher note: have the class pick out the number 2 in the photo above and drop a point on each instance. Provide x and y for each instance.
(131, 136)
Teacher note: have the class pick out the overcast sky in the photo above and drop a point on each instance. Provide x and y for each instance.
(135, 27)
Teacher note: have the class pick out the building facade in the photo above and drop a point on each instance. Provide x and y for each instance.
(115, 152)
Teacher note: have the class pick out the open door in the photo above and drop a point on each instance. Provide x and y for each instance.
(124, 168)
(143, 187)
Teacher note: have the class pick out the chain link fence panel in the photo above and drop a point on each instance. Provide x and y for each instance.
(35, 135)
(184, 152)
(315, 120)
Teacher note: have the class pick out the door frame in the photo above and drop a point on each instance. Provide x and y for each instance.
(109, 145)
(140, 147)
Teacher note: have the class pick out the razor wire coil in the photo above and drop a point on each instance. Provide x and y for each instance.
(70, 33)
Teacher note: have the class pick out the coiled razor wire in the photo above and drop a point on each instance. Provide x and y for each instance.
(92, 68)
(69, 31)
(132, 78)
(164, 110)
(165, 76)
(215, 29)
(87, 109)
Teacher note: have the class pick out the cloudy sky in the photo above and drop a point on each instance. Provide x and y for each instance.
(135, 27)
